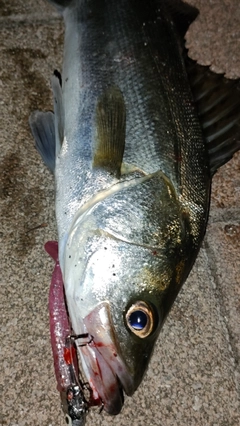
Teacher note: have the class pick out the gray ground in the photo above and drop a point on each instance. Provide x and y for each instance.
(193, 378)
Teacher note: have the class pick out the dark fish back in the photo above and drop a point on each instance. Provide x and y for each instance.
(163, 130)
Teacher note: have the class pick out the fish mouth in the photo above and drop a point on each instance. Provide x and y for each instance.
(102, 363)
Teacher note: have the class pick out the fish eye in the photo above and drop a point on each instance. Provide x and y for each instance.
(139, 319)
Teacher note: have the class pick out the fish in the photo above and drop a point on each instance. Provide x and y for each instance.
(137, 134)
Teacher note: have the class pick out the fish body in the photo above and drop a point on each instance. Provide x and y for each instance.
(133, 176)
(127, 238)
(130, 47)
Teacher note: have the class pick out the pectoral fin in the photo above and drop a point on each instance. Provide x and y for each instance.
(110, 131)
(218, 104)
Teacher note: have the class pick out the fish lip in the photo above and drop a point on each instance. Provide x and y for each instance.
(102, 362)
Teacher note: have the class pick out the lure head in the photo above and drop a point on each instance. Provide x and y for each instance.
(74, 406)
(124, 263)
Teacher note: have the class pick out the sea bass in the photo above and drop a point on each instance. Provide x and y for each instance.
(137, 133)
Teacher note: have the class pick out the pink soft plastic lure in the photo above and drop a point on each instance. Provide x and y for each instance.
(74, 403)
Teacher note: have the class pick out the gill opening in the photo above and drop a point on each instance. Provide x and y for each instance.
(102, 195)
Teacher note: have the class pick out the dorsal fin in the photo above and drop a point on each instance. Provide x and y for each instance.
(218, 104)
(182, 14)
(110, 131)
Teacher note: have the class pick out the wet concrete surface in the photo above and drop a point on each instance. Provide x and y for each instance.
(193, 377)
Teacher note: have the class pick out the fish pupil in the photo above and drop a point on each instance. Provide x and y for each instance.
(138, 320)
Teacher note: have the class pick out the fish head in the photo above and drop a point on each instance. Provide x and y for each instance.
(123, 262)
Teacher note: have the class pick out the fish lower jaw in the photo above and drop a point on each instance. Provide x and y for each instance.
(103, 364)
(105, 386)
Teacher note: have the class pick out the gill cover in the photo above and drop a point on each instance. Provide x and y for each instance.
(142, 211)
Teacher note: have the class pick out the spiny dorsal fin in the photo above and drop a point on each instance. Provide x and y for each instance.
(110, 131)
(182, 14)
(218, 103)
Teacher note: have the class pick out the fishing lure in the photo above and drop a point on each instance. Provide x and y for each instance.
(74, 403)
(71, 388)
